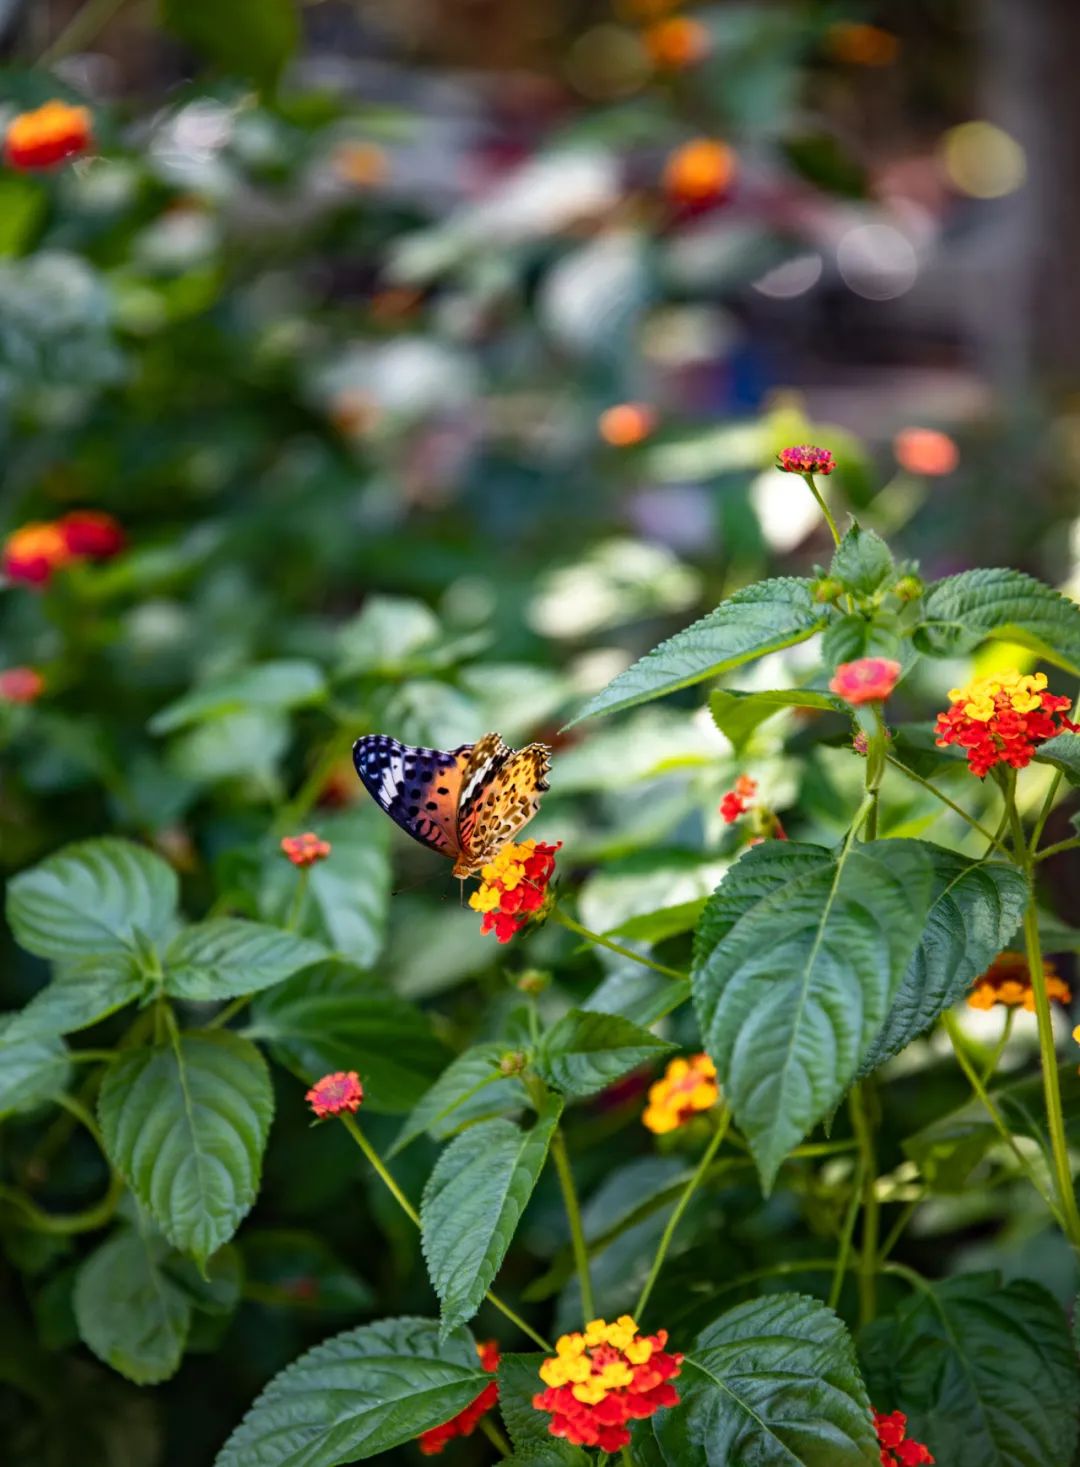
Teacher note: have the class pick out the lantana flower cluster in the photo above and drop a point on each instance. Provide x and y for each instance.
(805, 458)
(33, 553)
(1002, 719)
(48, 135)
(304, 850)
(599, 1380)
(867, 680)
(687, 1088)
(336, 1093)
(896, 1448)
(742, 800)
(1008, 981)
(514, 887)
(432, 1442)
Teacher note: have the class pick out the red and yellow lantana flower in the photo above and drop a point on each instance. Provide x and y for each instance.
(514, 887)
(896, 1448)
(432, 1442)
(1002, 719)
(687, 1088)
(47, 136)
(599, 1380)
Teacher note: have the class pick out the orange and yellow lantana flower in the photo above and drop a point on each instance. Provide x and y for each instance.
(687, 1088)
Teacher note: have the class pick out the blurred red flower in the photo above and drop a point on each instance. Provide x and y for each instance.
(46, 136)
(432, 1442)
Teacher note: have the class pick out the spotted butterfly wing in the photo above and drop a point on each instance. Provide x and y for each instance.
(500, 804)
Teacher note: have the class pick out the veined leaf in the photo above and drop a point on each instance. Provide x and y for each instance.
(758, 619)
(638, 995)
(534, 1446)
(962, 611)
(796, 961)
(583, 1052)
(739, 715)
(1063, 752)
(33, 1069)
(975, 907)
(227, 956)
(773, 1382)
(274, 686)
(358, 1394)
(79, 995)
(985, 1371)
(472, 1204)
(471, 1088)
(128, 1310)
(186, 1125)
(862, 562)
(91, 899)
(333, 1017)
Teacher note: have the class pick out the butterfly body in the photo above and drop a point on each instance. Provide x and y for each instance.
(466, 803)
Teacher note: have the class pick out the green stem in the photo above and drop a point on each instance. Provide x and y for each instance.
(410, 1212)
(67, 1224)
(867, 1268)
(335, 749)
(76, 1108)
(573, 1217)
(952, 1028)
(723, 1120)
(999, 1048)
(1044, 813)
(823, 507)
(231, 1009)
(495, 1437)
(1062, 845)
(875, 769)
(953, 806)
(297, 906)
(896, 1231)
(571, 926)
(92, 1056)
(847, 1233)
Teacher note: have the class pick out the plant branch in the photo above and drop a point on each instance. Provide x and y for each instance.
(572, 926)
(573, 1217)
(995, 840)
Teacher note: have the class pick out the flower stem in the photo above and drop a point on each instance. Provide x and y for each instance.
(571, 926)
(410, 1212)
(999, 1047)
(867, 1270)
(1062, 845)
(995, 840)
(231, 1009)
(847, 1232)
(823, 507)
(573, 1217)
(292, 921)
(495, 1437)
(723, 1120)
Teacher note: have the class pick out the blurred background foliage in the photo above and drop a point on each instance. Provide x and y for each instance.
(433, 358)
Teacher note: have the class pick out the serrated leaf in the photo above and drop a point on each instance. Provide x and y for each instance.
(1004, 605)
(584, 1052)
(186, 1125)
(862, 562)
(347, 898)
(852, 636)
(975, 907)
(519, 1381)
(1063, 752)
(796, 961)
(79, 996)
(333, 1017)
(472, 1204)
(358, 1394)
(758, 619)
(774, 1382)
(91, 899)
(740, 715)
(985, 1371)
(33, 1069)
(471, 1088)
(129, 1312)
(271, 687)
(637, 995)
(227, 956)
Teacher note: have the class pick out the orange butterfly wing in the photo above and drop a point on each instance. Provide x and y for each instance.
(500, 801)
(418, 788)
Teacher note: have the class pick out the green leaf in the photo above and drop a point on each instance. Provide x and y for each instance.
(1004, 605)
(396, 635)
(79, 996)
(975, 907)
(862, 562)
(853, 636)
(584, 1052)
(657, 926)
(985, 1371)
(333, 1017)
(358, 1394)
(33, 1070)
(739, 715)
(128, 1310)
(472, 1204)
(186, 1125)
(758, 619)
(248, 37)
(226, 956)
(796, 960)
(1063, 752)
(347, 899)
(773, 1382)
(91, 899)
(298, 1270)
(637, 995)
(271, 686)
(471, 1088)
(519, 1381)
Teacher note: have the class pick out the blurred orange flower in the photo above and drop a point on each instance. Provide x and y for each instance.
(860, 44)
(34, 552)
(926, 451)
(47, 136)
(699, 172)
(1008, 981)
(360, 164)
(677, 43)
(626, 424)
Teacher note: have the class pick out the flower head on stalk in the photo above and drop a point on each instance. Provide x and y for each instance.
(513, 887)
(867, 680)
(335, 1093)
(602, 1378)
(304, 850)
(742, 800)
(432, 1442)
(46, 136)
(21, 685)
(687, 1087)
(805, 458)
(1002, 719)
(1007, 981)
(897, 1450)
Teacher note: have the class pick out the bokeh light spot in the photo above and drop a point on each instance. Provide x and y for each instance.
(792, 278)
(877, 261)
(982, 160)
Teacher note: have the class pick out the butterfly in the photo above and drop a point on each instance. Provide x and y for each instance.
(466, 803)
